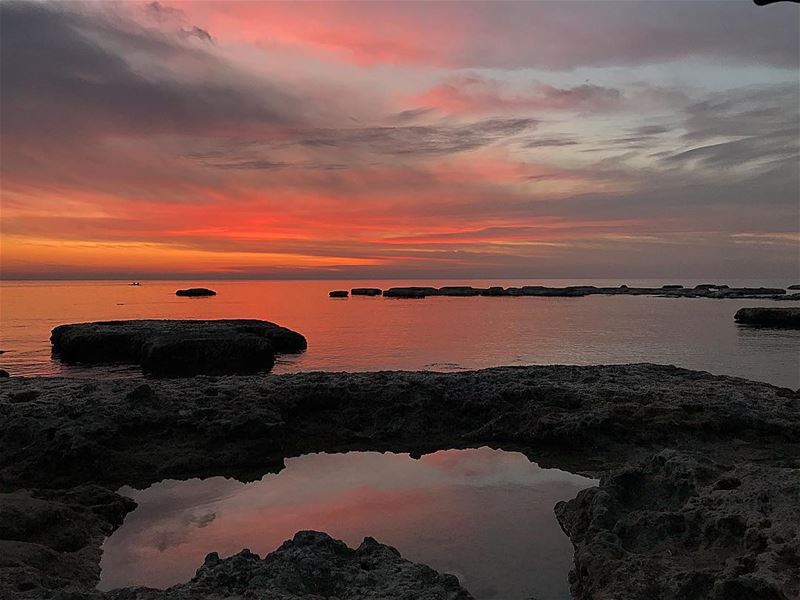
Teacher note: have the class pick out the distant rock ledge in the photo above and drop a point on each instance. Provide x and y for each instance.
(769, 317)
(705, 290)
(169, 348)
(196, 292)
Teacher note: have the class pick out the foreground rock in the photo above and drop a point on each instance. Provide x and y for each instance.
(699, 473)
(312, 565)
(769, 317)
(679, 526)
(338, 294)
(196, 292)
(50, 539)
(178, 347)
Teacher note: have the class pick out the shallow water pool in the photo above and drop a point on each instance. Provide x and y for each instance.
(483, 515)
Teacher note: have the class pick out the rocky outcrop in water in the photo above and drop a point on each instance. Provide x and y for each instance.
(366, 292)
(706, 290)
(178, 347)
(312, 565)
(196, 292)
(410, 292)
(769, 317)
(338, 294)
(699, 473)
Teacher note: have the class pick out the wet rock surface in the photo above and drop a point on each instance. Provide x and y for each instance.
(50, 539)
(699, 473)
(178, 347)
(338, 294)
(684, 527)
(769, 317)
(311, 565)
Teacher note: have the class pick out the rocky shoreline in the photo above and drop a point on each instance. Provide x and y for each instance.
(700, 474)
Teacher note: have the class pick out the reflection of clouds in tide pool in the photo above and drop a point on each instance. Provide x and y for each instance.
(484, 515)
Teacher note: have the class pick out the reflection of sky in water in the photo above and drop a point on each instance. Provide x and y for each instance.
(439, 333)
(484, 515)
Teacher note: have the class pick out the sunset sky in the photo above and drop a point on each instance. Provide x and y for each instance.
(400, 139)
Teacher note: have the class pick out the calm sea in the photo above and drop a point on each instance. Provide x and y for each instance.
(436, 333)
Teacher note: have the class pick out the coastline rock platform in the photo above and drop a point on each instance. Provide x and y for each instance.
(699, 474)
(769, 317)
(196, 292)
(338, 294)
(178, 347)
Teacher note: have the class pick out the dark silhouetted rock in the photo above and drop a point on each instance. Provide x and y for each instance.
(311, 565)
(539, 290)
(184, 346)
(459, 290)
(237, 353)
(366, 292)
(196, 292)
(796, 286)
(410, 292)
(4, 373)
(338, 294)
(672, 286)
(709, 286)
(769, 317)
(494, 291)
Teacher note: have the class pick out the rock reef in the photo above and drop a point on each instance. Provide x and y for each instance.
(196, 292)
(705, 290)
(366, 292)
(178, 347)
(769, 317)
(699, 473)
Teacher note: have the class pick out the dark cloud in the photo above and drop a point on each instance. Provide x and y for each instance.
(412, 114)
(751, 126)
(68, 71)
(362, 144)
(199, 33)
(548, 142)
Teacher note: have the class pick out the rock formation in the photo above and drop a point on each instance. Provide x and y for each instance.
(700, 474)
(769, 317)
(178, 347)
(196, 292)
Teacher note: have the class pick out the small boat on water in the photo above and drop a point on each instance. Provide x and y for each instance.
(134, 283)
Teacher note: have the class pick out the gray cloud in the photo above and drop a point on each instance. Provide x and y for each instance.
(68, 70)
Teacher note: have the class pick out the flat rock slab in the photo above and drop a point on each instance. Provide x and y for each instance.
(196, 292)
(769, 317)
(366, 292)
(178, 347)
